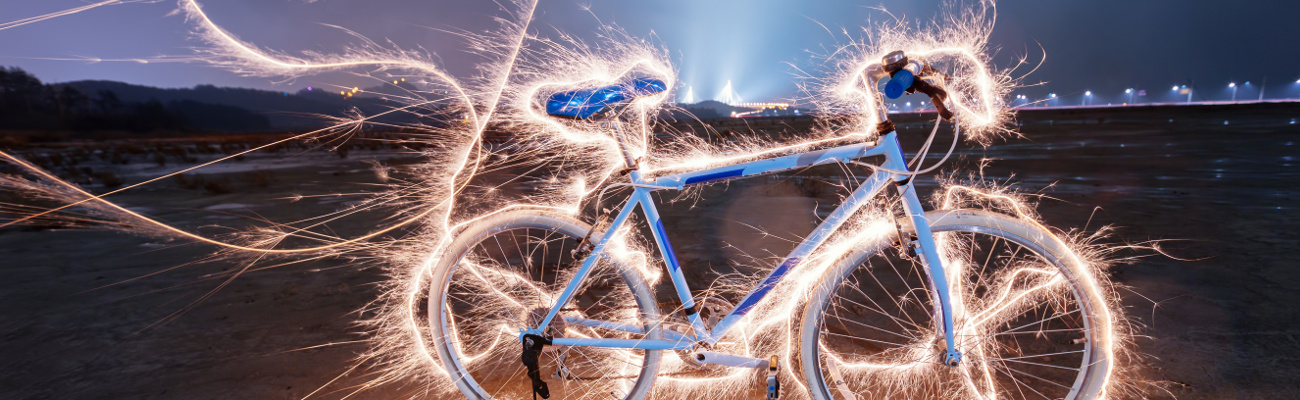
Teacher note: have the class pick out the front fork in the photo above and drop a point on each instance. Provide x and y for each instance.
(934, 268)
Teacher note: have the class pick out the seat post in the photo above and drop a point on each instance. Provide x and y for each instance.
(622, 145)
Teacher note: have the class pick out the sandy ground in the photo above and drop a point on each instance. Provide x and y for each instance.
(1220, 327)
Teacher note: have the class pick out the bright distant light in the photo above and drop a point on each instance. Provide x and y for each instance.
(1053, 95)
(690, 96)
(1087, 93)
(1128, 91)
(1174, 88)
(1297, 81)
(1232, 85)
(729, 95)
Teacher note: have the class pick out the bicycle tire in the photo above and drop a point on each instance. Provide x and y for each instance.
(499, 373)
(852, 357)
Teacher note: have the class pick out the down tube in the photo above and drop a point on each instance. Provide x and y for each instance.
(855, 201)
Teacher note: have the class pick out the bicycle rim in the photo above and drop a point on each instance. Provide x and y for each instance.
(1027, 326)
(506, 274)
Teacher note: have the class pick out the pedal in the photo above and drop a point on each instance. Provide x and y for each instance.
(773, 380)
(729, 360)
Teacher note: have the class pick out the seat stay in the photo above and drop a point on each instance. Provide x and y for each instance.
(587, 264)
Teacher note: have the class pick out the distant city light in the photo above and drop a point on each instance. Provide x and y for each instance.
(781, 106)
(1232, 85)
(1053, 95)
(1087, 93)
(729, 95)
(1174, 88)
(1128, 91)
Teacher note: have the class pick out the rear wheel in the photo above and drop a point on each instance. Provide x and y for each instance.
(502, 275)
(1029, 318)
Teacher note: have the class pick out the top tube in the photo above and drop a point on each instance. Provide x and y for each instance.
(770, 165)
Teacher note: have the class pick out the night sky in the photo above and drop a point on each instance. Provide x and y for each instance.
(1100, 45)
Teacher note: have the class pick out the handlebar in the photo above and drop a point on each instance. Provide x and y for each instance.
(907, 76)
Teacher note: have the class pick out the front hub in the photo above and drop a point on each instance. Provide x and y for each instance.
(952, 358)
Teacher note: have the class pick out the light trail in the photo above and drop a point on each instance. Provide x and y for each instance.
(582, 159)
(70, 11)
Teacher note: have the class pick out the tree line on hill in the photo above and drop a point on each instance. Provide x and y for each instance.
(28, 104)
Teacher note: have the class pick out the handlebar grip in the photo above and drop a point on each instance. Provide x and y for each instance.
(899, 83)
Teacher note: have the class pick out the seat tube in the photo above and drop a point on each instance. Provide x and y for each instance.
(928, 249)
(621, 138)
(670, 258)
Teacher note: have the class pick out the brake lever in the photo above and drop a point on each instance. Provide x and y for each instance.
(937, 96)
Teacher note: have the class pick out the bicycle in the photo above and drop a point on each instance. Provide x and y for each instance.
(882, 322)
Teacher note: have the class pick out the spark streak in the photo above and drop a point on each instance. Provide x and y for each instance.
(582, 159)
(70, 11)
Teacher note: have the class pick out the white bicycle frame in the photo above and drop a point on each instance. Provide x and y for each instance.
(894, 171)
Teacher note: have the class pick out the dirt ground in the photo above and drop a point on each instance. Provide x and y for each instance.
(1218, 184)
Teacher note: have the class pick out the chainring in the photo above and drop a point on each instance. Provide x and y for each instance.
(711, 310)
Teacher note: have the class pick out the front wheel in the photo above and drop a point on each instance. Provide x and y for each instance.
(1030, 317)
(503, 274)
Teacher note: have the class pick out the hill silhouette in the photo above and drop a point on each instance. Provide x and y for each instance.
(81, 108)
(284, 111)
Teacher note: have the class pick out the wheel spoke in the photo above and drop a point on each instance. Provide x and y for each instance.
(1018, 305)
(518, 268)
(837, 316)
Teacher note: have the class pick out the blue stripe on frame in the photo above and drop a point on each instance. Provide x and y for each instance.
(714, 176)
(669, 255)
(767, 285)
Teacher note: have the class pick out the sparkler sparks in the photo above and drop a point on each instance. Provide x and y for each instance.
(583, 159)
(70, 11)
